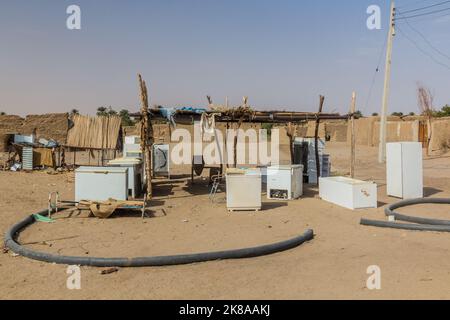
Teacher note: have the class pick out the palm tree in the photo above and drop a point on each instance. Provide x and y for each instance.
(102, 111)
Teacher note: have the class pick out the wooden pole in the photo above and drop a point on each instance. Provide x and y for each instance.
(239, 124)
(316, 137)
(146, 136)
(353, 145)
(290, 131)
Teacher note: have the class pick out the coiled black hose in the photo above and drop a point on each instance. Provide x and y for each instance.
(419, 224)
(12, 244)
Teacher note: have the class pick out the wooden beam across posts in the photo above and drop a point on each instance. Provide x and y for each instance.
(146, 135)
(276, 117)
(352, 137)
(316, 137)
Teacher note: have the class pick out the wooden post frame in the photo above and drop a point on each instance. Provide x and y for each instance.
(146, 135)
(316, 137)
(290, 131)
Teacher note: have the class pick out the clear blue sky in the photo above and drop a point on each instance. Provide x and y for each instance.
(279, 53)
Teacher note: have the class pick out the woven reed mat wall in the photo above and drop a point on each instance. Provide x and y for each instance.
(94, 132)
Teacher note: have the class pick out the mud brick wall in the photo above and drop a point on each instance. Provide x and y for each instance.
(10, 124)
(48, 126)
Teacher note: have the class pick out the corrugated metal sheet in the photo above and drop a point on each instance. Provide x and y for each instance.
(27, 158)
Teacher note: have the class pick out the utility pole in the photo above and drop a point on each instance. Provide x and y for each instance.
(353, 144)
(387, 79)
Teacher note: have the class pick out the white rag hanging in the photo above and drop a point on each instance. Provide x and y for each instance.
(208, 123)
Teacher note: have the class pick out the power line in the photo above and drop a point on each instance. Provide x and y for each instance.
(427, 7)
(434, 17)
(422, 14)
(413, 4)
(375, 74)
(422, 50)
(426, 40)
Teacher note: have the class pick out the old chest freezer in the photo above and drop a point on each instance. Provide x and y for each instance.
(285, 182)
(135, 174)
(404, 172)
(101, 183)
(348, 193)
(243, 189)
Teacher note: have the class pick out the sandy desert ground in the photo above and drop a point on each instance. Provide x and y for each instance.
(414, 265)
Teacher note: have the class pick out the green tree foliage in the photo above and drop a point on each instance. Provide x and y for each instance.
(2, 113)
(102, 111)
(444, 112)
(375, 114)
(268, 127)
(397, 114)
(106, 111)
(126, 119)
(359, 114)
(124, 114)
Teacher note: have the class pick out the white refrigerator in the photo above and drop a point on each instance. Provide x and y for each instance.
(404, 170)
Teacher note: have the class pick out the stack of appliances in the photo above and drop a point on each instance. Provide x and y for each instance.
(305, 154)
(120, 180)
(285, 182)
(132, 147)
(135, 174)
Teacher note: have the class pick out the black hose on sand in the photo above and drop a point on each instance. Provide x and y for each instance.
(417, 223)
(16, 247)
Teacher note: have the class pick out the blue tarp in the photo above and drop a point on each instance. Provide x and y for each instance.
(168, 113)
